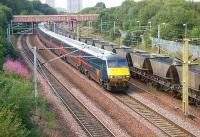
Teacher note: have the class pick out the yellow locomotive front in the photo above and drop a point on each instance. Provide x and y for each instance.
(118, 73)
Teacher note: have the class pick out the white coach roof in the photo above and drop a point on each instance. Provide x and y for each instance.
(97, 52)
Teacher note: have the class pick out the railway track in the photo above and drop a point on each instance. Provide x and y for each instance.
(168, 127)
(90, 124)
(165, 125)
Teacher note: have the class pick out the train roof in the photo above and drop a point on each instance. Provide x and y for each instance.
(94, 51)
(194, 68)
(124, 49)
(167, 60)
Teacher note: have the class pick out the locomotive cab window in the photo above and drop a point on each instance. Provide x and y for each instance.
(117, 63)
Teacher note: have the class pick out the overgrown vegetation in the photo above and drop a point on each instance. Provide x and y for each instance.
(136, 18)
(6, 48)
(17, 100)
(25, 7)
(17, 106)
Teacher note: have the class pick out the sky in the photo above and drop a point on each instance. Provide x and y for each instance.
(92, 3)
(89, 3)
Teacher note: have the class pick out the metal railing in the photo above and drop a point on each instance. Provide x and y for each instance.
(173, 46)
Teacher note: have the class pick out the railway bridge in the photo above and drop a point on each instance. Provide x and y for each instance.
(24, 24)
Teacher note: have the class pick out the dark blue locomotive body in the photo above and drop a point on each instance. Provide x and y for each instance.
(107, 68)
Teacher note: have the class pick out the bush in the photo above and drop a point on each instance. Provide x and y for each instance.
(16, 94)
(11, 125)
(1, 58)
(15, 66)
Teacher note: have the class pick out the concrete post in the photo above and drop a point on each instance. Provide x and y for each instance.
(78, 31)
(35, 74)
(11, 27)
(158, 39)
(101, 25)
(114, 27)
(9, 32)
(54, 27)
(185, 75)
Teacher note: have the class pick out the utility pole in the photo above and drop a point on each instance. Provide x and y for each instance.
(158, 39)
(88, 30)
(149, 26)
(7, 33)
(114, 27)
(11, 27)
(185, 25)
(101, 25)
(32, 28)
(142, 37)
(54, 27)
(35, 74)
(91, 25)
(138, 24)
(48, 25)
(185, 75)
(78, 31)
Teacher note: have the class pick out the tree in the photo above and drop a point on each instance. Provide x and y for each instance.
(5, 16)
(27, 7)
(100, 5)
(174, 13)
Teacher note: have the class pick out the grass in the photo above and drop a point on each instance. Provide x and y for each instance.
(197, 61)
(46, 114)
(151, 88)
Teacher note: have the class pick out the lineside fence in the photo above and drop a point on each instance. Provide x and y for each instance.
(173, 46)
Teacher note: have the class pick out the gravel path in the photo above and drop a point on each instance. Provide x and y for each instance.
(98, 98)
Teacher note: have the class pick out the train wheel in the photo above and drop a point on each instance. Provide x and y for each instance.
(101, 82)
(81, 69)
(88, 75)
(105, 85)
(197, 103)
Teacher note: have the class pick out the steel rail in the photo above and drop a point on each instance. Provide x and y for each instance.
(88, 121)
(165, 125)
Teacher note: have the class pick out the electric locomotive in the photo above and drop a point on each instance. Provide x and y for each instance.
(107, 68)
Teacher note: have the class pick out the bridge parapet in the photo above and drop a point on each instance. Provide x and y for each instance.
(55, 18)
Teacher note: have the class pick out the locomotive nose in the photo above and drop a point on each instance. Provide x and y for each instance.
(118, 74)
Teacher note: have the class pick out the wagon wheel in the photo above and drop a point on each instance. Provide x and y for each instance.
(101, 82)
(87, 73)
(197, 103)
(172, 93)
(80, 69)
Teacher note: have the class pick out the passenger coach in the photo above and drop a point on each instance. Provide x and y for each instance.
(108, 69)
